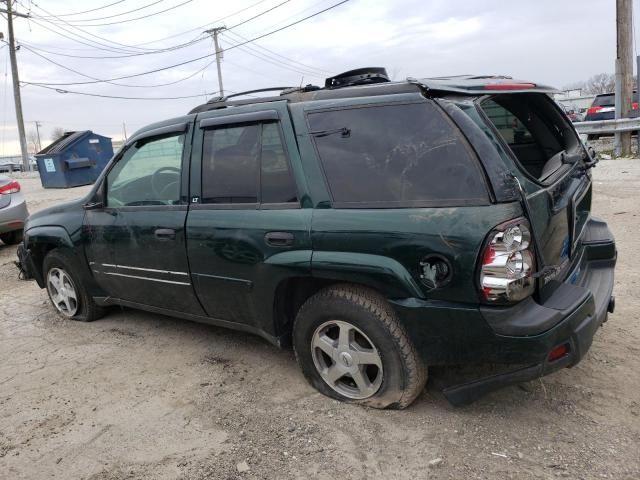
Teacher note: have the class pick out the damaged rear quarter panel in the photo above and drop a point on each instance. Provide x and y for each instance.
(404, 237)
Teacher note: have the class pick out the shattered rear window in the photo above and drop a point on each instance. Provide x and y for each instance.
(396, 155)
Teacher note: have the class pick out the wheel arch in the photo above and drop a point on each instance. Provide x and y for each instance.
(40, 241)
(292, 293)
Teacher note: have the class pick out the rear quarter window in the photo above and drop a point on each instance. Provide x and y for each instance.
(396, 155)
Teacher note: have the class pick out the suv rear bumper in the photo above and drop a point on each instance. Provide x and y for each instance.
(524, 334)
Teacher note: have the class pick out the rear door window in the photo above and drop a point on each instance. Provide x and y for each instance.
(246, 164)
(396, 155)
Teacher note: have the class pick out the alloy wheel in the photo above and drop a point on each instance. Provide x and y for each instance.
(62, 292)
(346, 359)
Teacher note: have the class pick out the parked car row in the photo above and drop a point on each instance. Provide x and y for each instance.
(574, 114)
(9, 167)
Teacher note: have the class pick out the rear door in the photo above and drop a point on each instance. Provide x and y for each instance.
(247, 231)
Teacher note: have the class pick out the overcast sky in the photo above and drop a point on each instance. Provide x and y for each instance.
(553, 42)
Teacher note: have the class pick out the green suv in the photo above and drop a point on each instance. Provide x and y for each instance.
(378, 227)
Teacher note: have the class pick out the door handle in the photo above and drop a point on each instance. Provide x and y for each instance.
(279, 239)
(165, 234)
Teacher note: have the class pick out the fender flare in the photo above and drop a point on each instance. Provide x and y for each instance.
(41, 239)
(381, 273)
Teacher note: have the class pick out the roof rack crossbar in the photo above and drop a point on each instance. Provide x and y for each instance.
(248, 92)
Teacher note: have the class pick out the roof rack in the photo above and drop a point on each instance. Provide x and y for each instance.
(248, 92)
(282, 90)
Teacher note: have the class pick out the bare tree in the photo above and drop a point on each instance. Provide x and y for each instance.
(56, 133)
(601, 83)
(32, 142)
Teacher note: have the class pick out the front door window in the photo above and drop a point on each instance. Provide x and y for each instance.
(147, 174)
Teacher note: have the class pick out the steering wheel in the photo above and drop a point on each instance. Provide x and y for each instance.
(159, 190)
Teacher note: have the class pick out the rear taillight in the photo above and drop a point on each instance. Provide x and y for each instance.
(11, 187)
(634, 106)
(592, 110)
(506, 273)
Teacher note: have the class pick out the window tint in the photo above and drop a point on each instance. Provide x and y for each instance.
(277, 182)
(230, 165)
(238, 161)
(395, 154)
(511, 129)
(147, 174)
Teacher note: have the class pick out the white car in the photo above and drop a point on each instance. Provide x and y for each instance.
(13, 211)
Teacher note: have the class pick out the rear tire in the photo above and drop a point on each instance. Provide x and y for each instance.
(351, 347)
(66, 290)
(593, 136)
(11, 238)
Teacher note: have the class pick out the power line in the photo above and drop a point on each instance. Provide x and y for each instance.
(115, 83)
(173, 48)
(258, 15)
(201, 27)
(146, 50)
(106, 57)
(198, 58)
(278, 63)
(126, 20)
(287, 59)
(127, 49)
(116, 15)
(95, 45)
(88, 11)
(87, 94)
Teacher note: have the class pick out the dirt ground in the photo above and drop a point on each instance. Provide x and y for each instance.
(138, 395)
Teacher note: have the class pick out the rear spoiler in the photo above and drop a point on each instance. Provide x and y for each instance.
(480, 85)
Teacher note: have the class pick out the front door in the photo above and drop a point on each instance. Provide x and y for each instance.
(145, 262)
(247, 232)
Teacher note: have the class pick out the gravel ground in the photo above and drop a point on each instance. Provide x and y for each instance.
(137, 395)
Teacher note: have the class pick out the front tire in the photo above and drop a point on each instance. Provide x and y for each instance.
(67, 292)
(351, 346)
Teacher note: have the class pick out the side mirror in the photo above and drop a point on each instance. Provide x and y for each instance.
(93, 205)
(98, 200)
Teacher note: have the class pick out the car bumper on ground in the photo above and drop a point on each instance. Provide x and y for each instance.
(13, 215)
(540, 338)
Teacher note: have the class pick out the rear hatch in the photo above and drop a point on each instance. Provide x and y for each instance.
(539, 147)
(549, 161)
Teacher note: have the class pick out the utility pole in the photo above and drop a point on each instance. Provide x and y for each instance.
(38, 134)
(624, 71)
(124, 130)
(16, 83)
(219, 54)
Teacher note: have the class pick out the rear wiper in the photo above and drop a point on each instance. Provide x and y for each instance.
(344, 132)
(591, 153)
